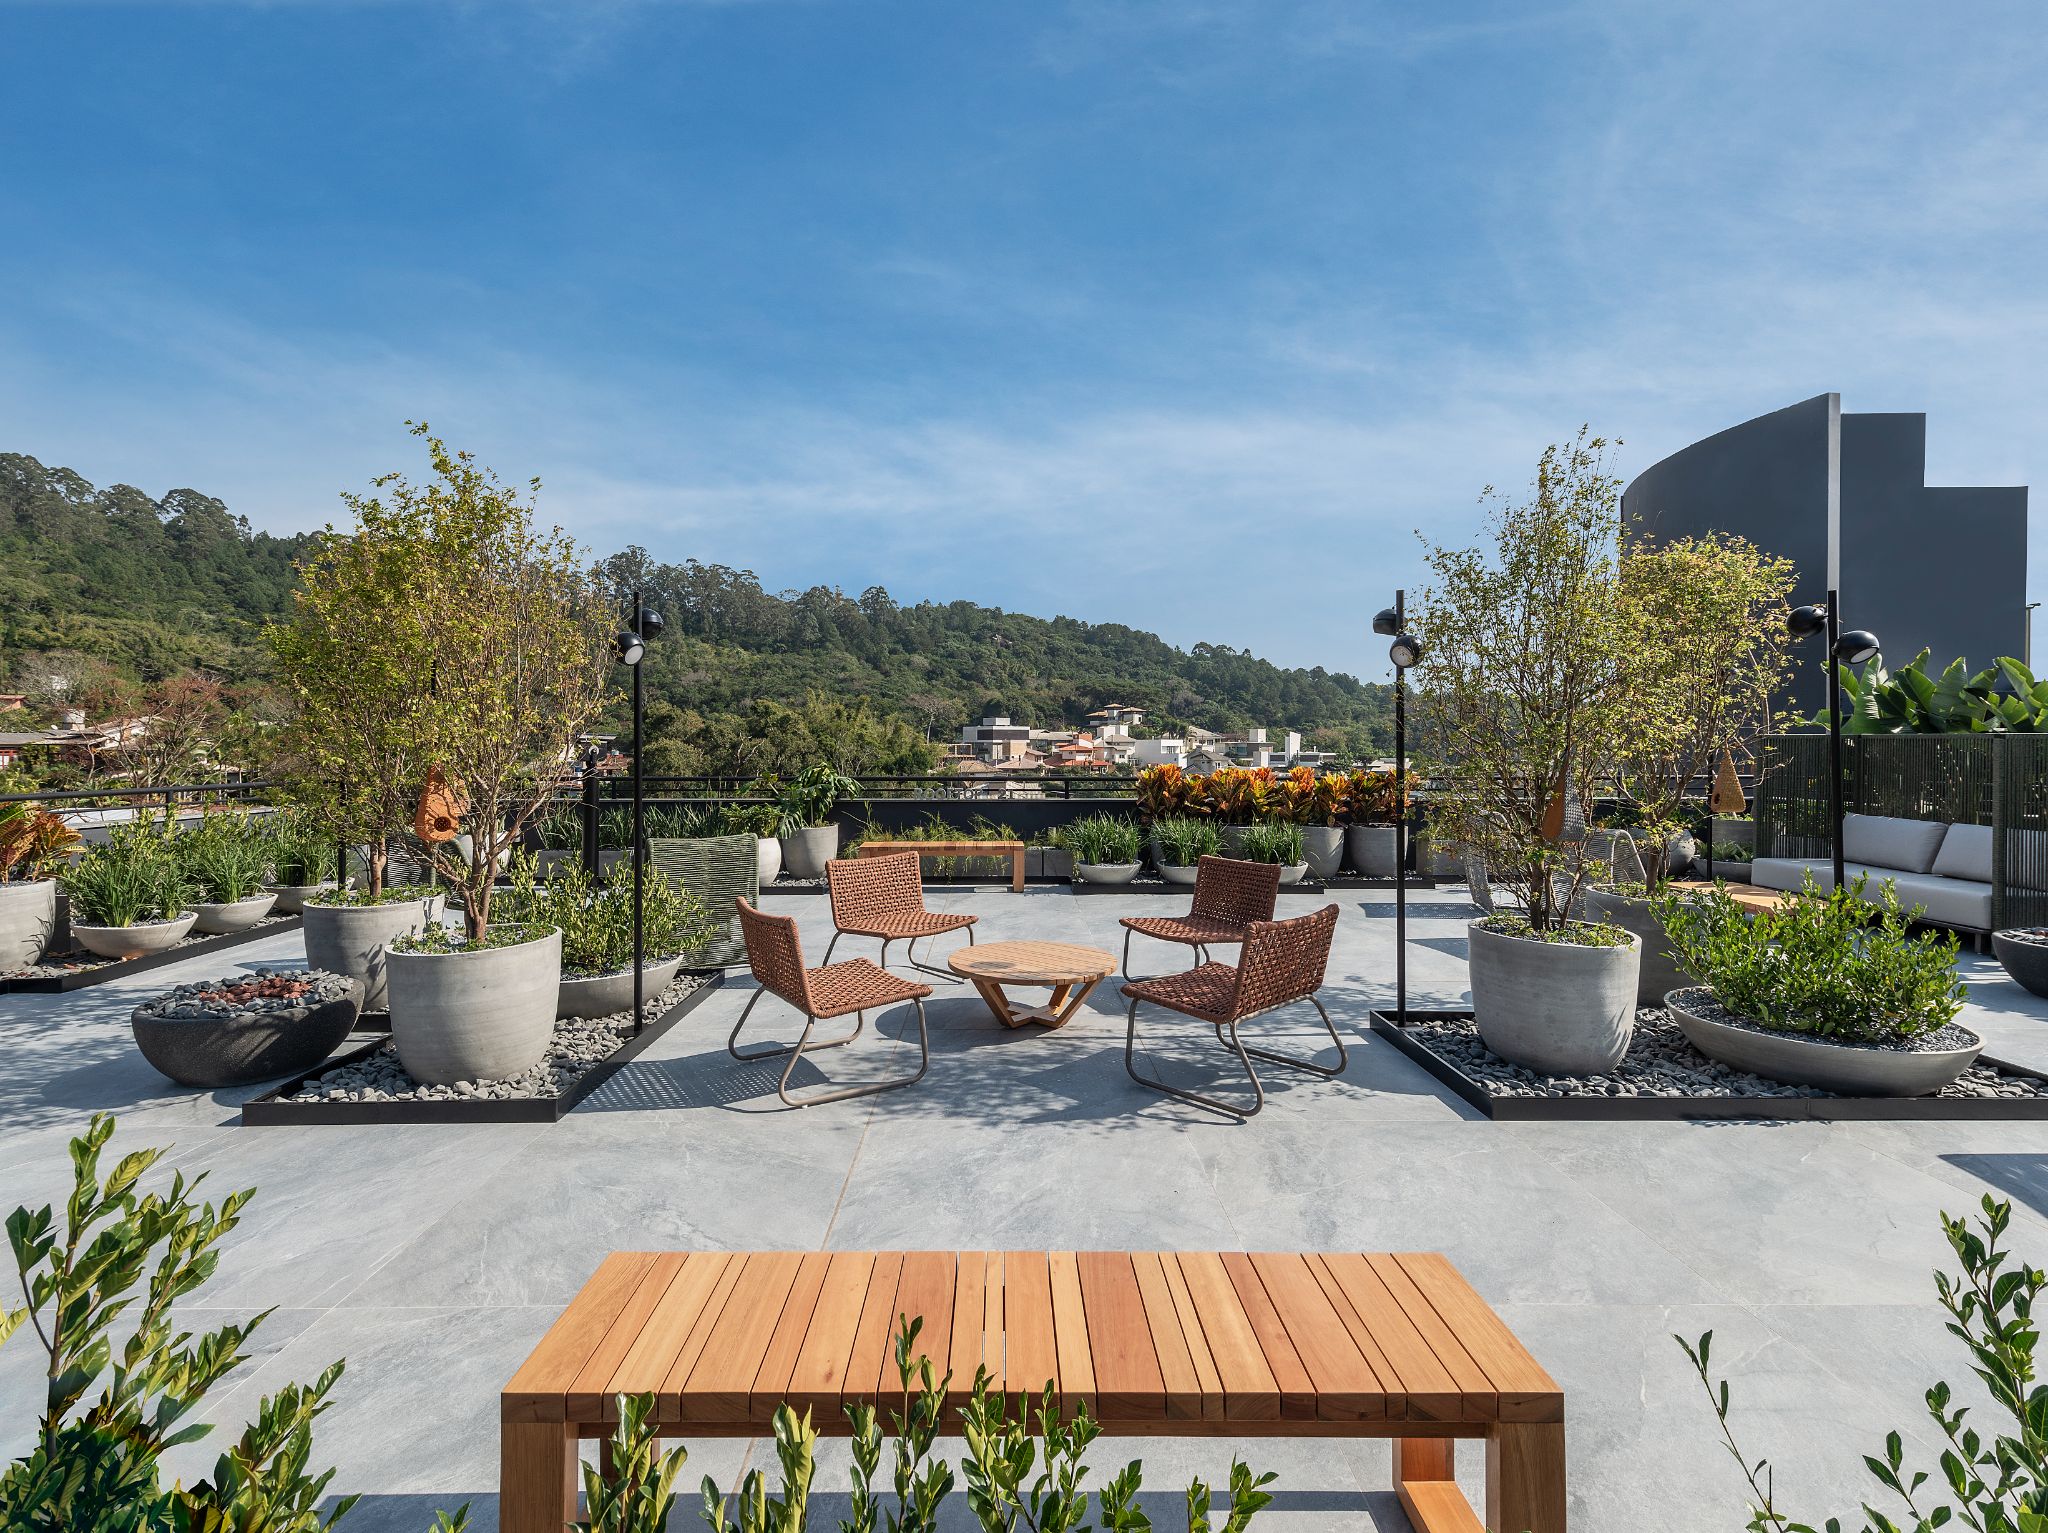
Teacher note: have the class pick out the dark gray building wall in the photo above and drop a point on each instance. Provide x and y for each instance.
(1845, 498)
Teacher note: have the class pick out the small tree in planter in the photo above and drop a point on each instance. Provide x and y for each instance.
(1528, 670)
(34, 848)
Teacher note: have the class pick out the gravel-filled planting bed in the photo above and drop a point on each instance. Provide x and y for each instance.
(70, 971)
(370, 1086)
(1663, 1075)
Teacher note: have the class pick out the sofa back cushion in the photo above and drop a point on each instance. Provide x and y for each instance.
(1879, 841)
(1965, 853)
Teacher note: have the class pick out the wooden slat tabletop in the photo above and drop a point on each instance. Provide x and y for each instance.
(1258, 1342)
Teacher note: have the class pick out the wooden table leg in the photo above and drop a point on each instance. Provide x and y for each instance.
(537, 1473)
(1063, 1007)
(1525, 1476)
(1425, 1478)
(1016, 872)
(997, 1002)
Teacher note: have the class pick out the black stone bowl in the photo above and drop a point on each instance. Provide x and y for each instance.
(2026, 962)
(250, 1046)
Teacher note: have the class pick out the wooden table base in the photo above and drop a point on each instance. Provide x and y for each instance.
(1066, 1000)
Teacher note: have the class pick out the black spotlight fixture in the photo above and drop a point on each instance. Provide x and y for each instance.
(1404, 652)
(628, 646)
(1387, 621)
(1858, 646)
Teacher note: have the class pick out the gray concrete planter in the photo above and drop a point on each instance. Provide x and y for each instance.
(1048, 862)
(1631, 912)
(291, 898)
(1293, 873)
(480, 1016)
(601, 995)
(2026, 962)
(211, 1052)
(349, 940)
(1233, 838)
(233, 915)
(805, 852)
(144, 941)
(1555, 1007)
(1323, 846)
(1371, 849)
(28, 921)
(1106, 872)
(1173, 873)
(1793, 1060)
(1735, 832)
(767, 859)
(1438, 857)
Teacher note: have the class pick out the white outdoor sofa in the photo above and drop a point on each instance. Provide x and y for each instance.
(1945, 869)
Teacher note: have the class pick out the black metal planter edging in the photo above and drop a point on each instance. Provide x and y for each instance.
(121, 968)
(276, 1107)
(1644, 1109)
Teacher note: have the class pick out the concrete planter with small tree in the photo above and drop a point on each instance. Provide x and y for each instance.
(809, 836)
(35, 846)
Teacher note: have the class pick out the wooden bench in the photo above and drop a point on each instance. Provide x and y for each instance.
(1014, 850)
(1171, 1344)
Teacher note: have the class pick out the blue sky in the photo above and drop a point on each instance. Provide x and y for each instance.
(1184, 314)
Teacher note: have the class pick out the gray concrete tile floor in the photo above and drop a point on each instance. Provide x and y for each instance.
(432, 1258)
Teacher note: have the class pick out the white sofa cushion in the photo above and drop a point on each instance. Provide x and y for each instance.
(1883, 842)
(1790, 872)
(1959, 902)
(1965, 853)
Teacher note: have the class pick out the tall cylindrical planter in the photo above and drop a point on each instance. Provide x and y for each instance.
(1557, 1008)
(350, 940)
(1438, 856)
(805, 852)
(1323, 848)
(28, 921)
(1372, 849)
(1660, 972)
(485, 1015)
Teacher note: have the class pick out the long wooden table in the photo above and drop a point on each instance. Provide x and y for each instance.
(1014, 850)
(1158, 1344)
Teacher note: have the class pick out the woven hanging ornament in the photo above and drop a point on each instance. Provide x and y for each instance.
(1552, 829)
(1727, 795)
(441, 807)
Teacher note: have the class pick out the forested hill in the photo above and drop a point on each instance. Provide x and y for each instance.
(730, 641)
(156, 587)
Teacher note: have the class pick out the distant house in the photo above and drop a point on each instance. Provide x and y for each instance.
(11, 747)
(12, 701)
(995, 739)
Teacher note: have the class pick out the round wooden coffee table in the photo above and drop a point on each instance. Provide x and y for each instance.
(1070, 969)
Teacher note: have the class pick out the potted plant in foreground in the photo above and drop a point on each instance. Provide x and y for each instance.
(227, 859)
(596, 922)
(810, 837)
(34, 846)
(1528, 663)
(1815, 993)
(1180, 842)
(131, 897)
(1105, 848)
(520, 635)
(1278, 842)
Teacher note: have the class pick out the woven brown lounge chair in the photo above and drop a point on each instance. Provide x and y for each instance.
(1283, 961)
(884, 897)
(1229, 895)
(833, 990)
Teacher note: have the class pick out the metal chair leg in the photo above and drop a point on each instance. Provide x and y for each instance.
(1292, 1063)
(910, 950)
(732, 1043)
(1201, 954)
(836, 935)
(844, 1093)
(1212, 1103)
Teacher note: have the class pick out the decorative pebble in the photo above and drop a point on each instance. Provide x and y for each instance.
(580, 1045)
(1661, 1062)
(235, 995)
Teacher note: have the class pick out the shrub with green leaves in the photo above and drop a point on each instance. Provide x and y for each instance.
(1835, 966)
(137, 876)
(1272, 841)
(1998, 1484)
(100, 1286)
(1100, 839)
(1511, 923)
(597, 922)
(302, 849)
(226, 857)
(560, 829)
(810, 797)
(1182, 841)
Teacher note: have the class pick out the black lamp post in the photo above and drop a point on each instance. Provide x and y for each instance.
(1404, 652)
(631, 646)
(1855, 647)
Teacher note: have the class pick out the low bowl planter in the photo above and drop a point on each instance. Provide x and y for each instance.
(1920, 1069)
(144, 941)
(221, 917)
(291, 898)
(1293, 872)
(1660, 973)
(28, 921)
(475, 1016)
(1558, 1008)
(1173, 873)
(604, 995)
(1107, 872)
(2024, 952)
(211, 1040)
(350, 940)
